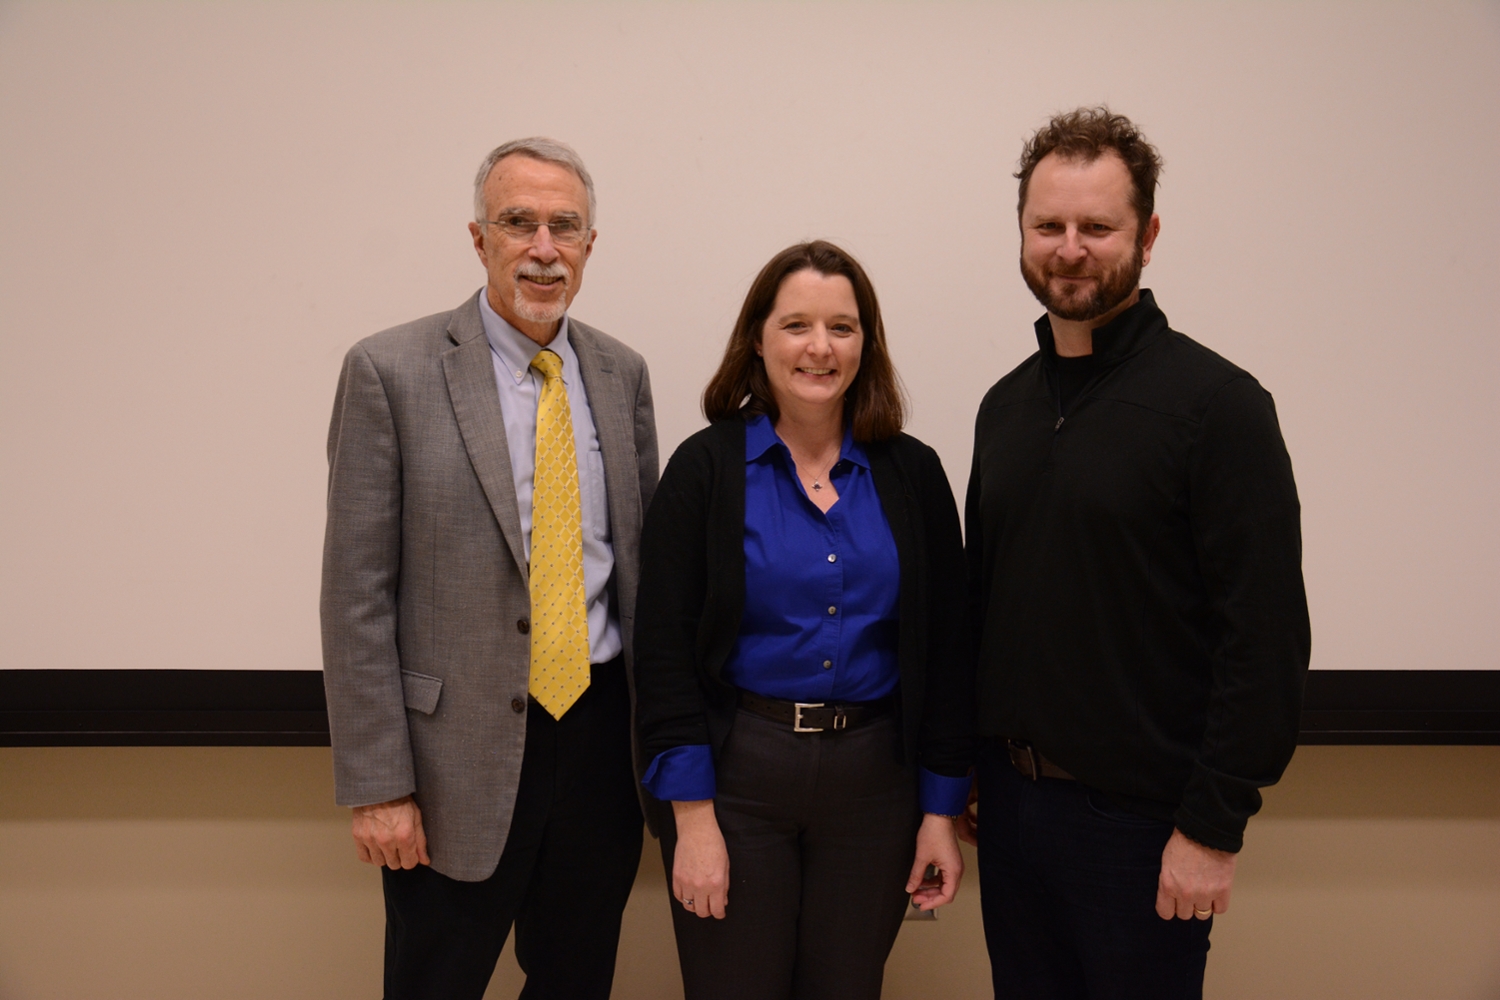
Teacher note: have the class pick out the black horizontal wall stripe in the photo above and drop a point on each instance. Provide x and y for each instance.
(162, 708)
(286, 707)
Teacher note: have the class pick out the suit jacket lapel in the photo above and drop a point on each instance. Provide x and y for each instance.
(614, 423)
(476, 404)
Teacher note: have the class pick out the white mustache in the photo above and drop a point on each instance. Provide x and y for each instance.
(531, 269)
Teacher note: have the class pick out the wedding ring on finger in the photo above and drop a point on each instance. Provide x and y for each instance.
(1203, 914)
(688, 903)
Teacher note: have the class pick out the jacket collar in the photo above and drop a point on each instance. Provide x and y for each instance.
(464, 323)
(1116, 340)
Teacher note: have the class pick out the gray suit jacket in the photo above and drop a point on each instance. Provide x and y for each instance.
(424, 577)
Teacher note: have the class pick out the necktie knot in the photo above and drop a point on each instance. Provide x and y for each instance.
(548, 363)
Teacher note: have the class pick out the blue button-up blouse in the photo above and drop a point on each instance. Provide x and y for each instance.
(821, 595)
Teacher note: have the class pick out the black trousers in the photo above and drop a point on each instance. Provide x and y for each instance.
(563, 878)
(1068, 889)
(821, 831)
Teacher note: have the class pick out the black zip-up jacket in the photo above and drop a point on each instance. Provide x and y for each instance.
(1135, 567)
(692, 597)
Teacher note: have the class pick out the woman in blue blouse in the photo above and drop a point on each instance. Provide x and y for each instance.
(803, 674)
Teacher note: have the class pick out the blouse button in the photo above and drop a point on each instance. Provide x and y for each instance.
(827, 664)
(832, 557)
(832, 610)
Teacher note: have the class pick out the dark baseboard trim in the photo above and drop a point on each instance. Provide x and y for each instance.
(286, 707)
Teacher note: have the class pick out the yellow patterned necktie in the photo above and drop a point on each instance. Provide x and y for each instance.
(559, 612)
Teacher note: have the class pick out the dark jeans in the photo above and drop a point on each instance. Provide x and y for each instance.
(563, 879)
(1068, 887)
(821, 831)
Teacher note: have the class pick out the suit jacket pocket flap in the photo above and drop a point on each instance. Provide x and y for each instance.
(421, 691)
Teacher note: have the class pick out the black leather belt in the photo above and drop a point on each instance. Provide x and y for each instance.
(817, 716)
(1029, 761)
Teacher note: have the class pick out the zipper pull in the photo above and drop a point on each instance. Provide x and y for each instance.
(1058, 426)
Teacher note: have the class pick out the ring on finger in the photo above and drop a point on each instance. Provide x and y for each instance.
(1203, 914)
(688, 903)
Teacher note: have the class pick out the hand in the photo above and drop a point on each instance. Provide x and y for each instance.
(967, 824)
(937, 846)
(700, 865)
(1195, 880)
(391, 834)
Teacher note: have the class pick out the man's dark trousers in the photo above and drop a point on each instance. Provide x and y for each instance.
(563, 878)
(1068, 888)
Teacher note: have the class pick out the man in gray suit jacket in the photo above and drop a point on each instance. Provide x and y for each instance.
(484, 807)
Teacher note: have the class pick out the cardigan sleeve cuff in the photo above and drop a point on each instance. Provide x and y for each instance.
(681, 774)
(942, 795)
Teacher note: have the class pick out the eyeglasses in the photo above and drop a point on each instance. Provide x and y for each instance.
(566, 231)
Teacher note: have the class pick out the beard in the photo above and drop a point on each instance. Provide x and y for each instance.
(541, 312)
(1111, 287)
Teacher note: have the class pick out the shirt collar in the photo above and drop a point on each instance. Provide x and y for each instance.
(760, 437)
(1116, 340)
(516, 350)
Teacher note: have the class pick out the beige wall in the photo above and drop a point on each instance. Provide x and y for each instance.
(205, 204)
(208, 873)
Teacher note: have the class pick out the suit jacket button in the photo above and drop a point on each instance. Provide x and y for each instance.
(517, 705)
(523, 626)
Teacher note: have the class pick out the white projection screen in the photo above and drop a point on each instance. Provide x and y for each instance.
(205, 204)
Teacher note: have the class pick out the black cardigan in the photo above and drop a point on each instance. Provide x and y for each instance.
(692, 596)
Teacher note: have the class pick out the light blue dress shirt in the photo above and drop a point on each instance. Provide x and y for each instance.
(520, 388)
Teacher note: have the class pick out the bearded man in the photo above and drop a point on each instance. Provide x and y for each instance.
(489, 468)
(1135, 557)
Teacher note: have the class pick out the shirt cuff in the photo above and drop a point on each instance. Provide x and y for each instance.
(940, 794)
(682, 774)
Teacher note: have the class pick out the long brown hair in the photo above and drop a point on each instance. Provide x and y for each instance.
(873, 404)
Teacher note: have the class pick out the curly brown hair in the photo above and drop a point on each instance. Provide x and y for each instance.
(873, 404)
(1086, 134)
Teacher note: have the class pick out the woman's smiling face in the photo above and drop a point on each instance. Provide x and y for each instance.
(811, 342)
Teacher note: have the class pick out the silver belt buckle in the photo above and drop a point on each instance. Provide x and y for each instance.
(1029, 754)
(797, 726)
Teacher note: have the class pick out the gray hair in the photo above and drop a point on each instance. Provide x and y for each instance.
(538, 148)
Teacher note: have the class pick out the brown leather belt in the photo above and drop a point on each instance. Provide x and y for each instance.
(1029, 761)
(817, 716)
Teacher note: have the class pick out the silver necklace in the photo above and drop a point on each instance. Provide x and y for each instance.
(818, 479)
